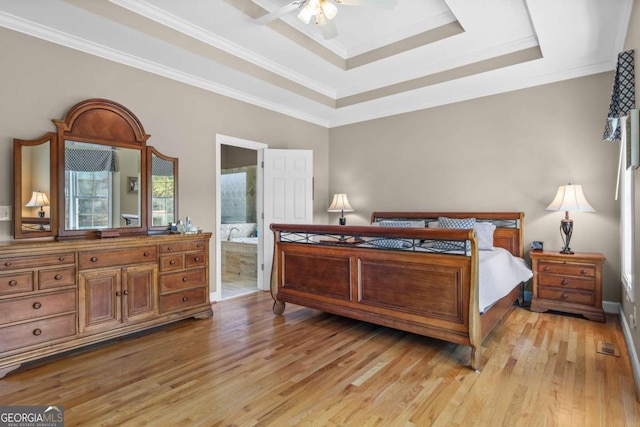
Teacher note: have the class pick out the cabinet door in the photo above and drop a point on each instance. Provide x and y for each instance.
(140, 292)
(100, 305)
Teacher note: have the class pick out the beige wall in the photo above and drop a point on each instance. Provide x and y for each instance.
(506, 152)
(40, 81)
(633, 42)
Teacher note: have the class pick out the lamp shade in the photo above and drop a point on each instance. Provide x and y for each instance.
(340, 203)
(570, 198)
(38, 199)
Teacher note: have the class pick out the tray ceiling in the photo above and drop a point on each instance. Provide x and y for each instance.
(421, 54)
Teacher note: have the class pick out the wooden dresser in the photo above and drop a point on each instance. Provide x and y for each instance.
(568, 282)
(58, 296)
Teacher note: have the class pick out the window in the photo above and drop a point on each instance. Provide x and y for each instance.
(233, 196)
(626, 218)
(87, 197)
(162, 199)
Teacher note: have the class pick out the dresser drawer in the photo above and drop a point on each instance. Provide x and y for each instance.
(36, 332)
(198, 259)
(171, 262)
(56, 278)
(16, 283)
(37, 306)
(196, 245)
(36, 261)
(182, 300)
(182, 280)
(580, 270)
(568, 296)
(567, 282)
(99, 259)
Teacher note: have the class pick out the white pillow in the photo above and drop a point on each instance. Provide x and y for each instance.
(484, 233)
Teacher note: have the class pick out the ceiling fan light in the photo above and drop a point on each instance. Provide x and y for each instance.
(306, 14)
(321, 19)
(328, 9)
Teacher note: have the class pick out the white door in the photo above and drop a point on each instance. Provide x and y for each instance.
(287, 195)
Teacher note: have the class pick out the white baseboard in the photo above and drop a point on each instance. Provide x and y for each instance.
(633, 356)
(611, 307)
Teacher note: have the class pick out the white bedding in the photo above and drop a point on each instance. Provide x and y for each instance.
(499, 271)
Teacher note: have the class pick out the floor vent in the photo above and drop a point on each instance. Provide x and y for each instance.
(608, 348)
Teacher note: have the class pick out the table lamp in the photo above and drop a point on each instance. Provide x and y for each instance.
(569, 198)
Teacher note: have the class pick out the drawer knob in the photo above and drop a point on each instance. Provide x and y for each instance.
(37, 305)
(169, 248)
(58, 277)
(583, 271)
(185, 279)
(7, 264)
(37, 332)
(197, 259)
(125, 292)
(198, 245)
(546, 268)
(94, 259)
(146, 253)
(565, 296)
(118, 293)
(172, 262)
(61, 259)
(13, 282)
(564, 282)
(185, 299)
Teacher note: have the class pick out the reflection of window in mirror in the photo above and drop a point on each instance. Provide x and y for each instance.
(96, 193)
(162, 191)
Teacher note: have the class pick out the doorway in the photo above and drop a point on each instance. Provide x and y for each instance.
(238, 198)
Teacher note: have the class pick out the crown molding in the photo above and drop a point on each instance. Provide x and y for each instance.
(178, 24)
(54, 36)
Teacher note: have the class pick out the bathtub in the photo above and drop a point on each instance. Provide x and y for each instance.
(249, 240)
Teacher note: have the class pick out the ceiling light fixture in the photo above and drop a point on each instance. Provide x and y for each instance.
(322, 10)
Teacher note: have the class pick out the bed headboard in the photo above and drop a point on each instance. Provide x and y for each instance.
(509, 225)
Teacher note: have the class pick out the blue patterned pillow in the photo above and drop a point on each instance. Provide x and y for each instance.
(392, 243)
(449, 245)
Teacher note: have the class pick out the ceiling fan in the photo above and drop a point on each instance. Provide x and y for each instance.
(321, 12)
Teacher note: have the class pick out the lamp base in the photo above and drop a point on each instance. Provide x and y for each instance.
(343, 220)
(566, 230)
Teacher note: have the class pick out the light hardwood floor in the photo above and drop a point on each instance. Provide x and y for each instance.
(247, 367)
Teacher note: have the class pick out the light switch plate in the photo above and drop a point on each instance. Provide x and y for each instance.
(5, 213)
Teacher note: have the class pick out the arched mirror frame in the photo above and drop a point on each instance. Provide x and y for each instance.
(151, 151)
(20, 222)
(101, 121)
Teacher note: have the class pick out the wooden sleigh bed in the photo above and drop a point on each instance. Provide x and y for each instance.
(396, 277)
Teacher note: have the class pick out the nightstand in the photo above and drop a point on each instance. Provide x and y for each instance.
(569, 283)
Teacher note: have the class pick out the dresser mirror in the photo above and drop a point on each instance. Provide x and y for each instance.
(34, 184)
(98, 175)
(101, 186)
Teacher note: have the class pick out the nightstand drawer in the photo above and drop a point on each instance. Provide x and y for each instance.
(572, 297)
(569, 269)
(567, 282)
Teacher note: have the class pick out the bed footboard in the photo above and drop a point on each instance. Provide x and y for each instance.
(416, 290)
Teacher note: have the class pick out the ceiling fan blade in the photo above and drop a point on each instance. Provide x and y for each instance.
(272, 16)
(329, 30)
(383, 4)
